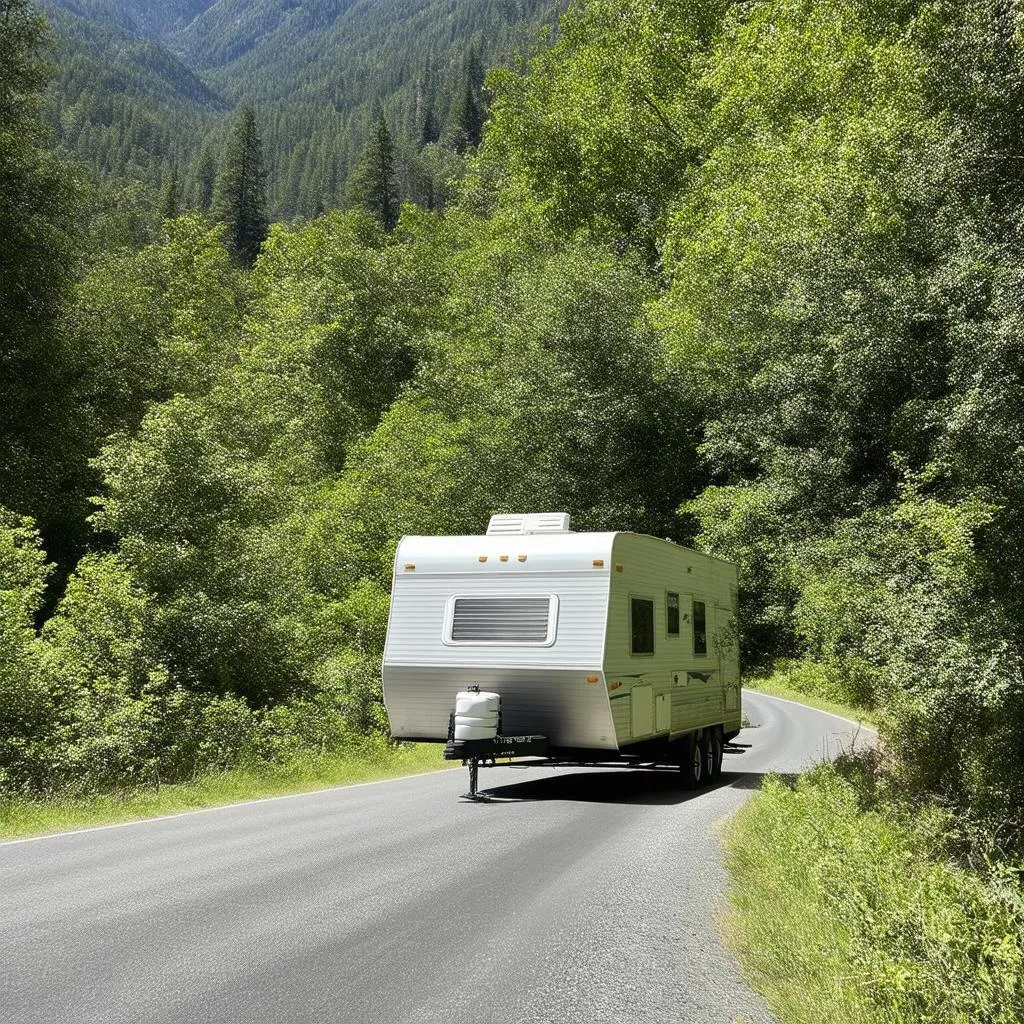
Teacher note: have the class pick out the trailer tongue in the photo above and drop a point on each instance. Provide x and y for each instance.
(475, 753)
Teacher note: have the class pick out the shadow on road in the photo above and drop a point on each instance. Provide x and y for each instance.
(614, 786)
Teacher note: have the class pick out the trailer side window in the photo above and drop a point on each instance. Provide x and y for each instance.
(672, 622)
(700, 628)
(641, 624)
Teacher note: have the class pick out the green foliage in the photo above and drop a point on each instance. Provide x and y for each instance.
(372, 184)
(850, 914)
(466, 120)
(552, 393)
(210, 496)
(37, 263)
(25, 706)
(125, 106)
(606, 127)
(142, 89)
(239, 195)
(155, 322)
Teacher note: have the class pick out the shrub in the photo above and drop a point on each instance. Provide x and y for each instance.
(855, 915)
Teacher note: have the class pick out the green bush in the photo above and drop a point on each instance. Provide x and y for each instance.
(847, 913)
(26, 704)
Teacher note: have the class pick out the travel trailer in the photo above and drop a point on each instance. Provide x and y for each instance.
(575, 647)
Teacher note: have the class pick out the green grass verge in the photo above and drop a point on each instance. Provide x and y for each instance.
(371, 761)
(853, 917)
(775, 686)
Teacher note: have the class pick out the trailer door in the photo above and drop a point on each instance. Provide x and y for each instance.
(728, 650)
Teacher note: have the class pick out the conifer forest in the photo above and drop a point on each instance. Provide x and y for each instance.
(749, 276)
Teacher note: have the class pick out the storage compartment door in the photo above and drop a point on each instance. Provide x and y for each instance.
(663, 712)
(642, 711)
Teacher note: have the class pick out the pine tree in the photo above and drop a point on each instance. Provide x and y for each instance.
(466, 120)
(372, 186)
(204, 179)
(169, 208)
(239, 198)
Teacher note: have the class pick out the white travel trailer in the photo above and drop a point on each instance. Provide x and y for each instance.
(603, 647)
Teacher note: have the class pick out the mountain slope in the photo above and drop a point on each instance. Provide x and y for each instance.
(151, 18)
(146, 86)
(121, 103)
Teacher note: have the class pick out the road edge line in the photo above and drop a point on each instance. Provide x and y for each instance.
(218, 807)
(810, 707)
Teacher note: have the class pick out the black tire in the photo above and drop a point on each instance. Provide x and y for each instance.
(714, 760)
(691, 763)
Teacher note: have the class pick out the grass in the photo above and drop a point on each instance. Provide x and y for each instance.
(852, 916)
(21, 817)
(775, 686)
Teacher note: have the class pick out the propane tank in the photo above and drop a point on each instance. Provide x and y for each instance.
(477, 715)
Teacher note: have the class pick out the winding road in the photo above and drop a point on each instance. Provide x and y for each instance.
(575, 895)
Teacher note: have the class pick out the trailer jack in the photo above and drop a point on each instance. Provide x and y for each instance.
(474, 771)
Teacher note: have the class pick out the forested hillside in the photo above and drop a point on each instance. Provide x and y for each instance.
(745, 276)
(144, 90)
(123, 104)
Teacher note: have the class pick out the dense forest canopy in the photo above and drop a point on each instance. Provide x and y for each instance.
(743, 275)
(147, 91)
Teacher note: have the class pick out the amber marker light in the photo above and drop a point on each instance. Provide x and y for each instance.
(592, 679)
(481, 558)
(522, 558)
(598, 563)
(502, 558)
(409, 566)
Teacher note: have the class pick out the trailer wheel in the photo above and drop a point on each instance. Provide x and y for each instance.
(691, 763)
(714, 755)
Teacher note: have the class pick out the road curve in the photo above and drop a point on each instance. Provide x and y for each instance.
(574, 896)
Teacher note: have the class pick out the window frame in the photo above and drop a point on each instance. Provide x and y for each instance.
(449, 621)
(678, 631)
(693, 625)
(654, 629)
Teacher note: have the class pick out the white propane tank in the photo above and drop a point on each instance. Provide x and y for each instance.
(476, 715)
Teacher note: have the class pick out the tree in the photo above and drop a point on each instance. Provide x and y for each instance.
(169, 205)
(467, 119)
(239, 199)
(38, 427)
(372, 185)
(204, 178)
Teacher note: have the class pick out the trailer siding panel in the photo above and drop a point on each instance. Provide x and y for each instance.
(544, 688)
(650, 569)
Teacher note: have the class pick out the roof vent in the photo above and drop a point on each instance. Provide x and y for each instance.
(535, 522)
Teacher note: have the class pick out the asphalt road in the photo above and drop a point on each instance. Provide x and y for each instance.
(573, 896)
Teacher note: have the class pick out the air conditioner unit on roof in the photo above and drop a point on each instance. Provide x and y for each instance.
(534, 522)
(506, 526)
